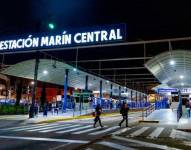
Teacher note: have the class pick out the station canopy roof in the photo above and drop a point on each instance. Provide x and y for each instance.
(172, 68)
(56, 73)
(160, 86)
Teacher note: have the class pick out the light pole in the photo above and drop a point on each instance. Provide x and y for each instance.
(31, 112)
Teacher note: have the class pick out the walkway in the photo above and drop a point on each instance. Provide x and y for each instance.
(169, 116)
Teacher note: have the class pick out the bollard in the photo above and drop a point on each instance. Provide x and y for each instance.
(73, 112)
(86, 109)
(146, 112)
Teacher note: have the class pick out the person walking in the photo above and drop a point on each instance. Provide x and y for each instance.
(187, 109)
(124, 112)
(45, 111)
(98, 111)
(36, 109)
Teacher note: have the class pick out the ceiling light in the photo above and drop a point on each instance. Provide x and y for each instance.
(45, 72)
(107, 81)
(181, 76)
(75, 69)
(172, 62)
(182, 84)
(32, 82)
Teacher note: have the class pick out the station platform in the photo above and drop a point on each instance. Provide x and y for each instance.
(169, 117)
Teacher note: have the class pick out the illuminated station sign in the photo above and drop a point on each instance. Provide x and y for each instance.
(66, 38)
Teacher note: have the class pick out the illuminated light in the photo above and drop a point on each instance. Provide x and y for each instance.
(182, 84)
(181, 76)
(76, 88)
(75, 69)
(172, 62)
(107, 81)
(51, 26)
(45, 72)
(97, 36)
(32, 82)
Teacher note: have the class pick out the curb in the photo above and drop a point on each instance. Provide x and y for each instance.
(185, 130)
(148, 121)
(72, 118)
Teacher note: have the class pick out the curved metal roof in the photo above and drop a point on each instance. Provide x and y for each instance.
(56, 73)
(172, 68)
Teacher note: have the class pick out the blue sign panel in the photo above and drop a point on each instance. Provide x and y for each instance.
(167, 90)
(66, 38)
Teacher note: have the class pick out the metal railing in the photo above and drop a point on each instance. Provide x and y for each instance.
(148, 110)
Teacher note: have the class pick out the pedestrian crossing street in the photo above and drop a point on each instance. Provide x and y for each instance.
(77, 129)
(67, 128)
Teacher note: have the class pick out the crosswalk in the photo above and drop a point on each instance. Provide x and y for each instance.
(77, 129)
(122, 143)
(67, 128)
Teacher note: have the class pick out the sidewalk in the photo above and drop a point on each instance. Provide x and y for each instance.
(169, 116)
(69, 115)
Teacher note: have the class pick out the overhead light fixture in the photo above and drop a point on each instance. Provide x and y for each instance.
(32, 82)
(182, 84)
(45, 72)
(107, 81)
(181, 76)
(172, 62)
(74, 69)
(51, 25)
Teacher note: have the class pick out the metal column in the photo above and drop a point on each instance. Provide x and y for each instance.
(100, 91)
(119, 92)
(86, 84)
(136, 97)
(131, 95)
(64, 103)
(31, 112)
(111, 90)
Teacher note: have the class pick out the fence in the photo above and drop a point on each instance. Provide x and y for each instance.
(148, 110)
(162, 104)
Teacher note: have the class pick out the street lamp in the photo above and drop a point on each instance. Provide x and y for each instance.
(51, 26)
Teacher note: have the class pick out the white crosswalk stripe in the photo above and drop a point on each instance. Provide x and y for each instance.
(85, 131)
(60, 128)
(50, 127)
(104, 131)
(75, 129)
(115, 146)
(173, 134)
(138, 132)
(28, 128)
(23, 126)
(121, 131)
(156, 133)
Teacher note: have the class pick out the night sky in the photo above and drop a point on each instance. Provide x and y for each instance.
(145, 20)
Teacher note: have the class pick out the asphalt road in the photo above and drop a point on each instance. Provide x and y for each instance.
(80, 134)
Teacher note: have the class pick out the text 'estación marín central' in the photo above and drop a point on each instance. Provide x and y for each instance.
(63, 39)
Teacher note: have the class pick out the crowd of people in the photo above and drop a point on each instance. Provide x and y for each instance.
(45, 108)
